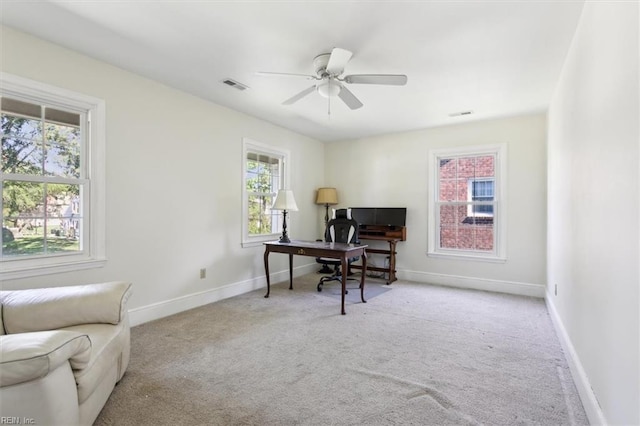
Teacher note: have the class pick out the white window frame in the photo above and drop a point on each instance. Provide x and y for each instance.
(249, 145)
(498, 254)
(93, 253)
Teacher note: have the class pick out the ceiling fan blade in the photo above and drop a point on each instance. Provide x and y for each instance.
(285, 74)
(388, 79)
(338, 60)
(299, 96)
(349, 98)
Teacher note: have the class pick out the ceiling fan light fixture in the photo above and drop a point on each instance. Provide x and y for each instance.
(329, 89)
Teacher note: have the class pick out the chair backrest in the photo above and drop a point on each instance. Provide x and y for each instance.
(342, 228)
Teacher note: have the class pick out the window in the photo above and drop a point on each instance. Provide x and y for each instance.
(51, 178)
(467, 214)
(263, 176)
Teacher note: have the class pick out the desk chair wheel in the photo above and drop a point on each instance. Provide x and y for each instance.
(320, 288)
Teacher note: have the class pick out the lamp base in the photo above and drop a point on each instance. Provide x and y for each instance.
(285, 236)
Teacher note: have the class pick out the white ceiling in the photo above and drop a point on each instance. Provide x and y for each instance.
(495, 58)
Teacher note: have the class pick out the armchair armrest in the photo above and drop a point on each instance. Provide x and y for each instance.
(30, 356)
(57, 307)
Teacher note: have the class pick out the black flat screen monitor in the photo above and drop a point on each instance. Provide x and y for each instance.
(382, 216)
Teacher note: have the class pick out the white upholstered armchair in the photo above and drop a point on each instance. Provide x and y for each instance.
(62, 350)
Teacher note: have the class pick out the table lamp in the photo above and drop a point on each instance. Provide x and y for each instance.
(327, 196)
(285, 201)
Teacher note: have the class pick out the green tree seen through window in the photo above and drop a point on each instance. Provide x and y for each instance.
(40, 157)
(263, 174)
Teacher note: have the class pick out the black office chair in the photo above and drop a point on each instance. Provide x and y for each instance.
(341, 229)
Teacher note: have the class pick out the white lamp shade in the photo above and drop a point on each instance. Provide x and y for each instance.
(329, 89)
(285, 201)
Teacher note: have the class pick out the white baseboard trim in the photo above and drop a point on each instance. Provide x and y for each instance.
(511, 287)
(165, 308)
(588, 398)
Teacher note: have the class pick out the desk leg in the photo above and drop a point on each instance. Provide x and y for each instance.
(364, 273)
(392, 261)
(345, 266)
(290, 272)
(266, 270)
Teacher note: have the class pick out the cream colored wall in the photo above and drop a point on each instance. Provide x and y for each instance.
(594, 213)
(391, 171)
(173, 182)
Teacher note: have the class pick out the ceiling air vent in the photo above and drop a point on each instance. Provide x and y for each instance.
(461, 113)
(234, 84)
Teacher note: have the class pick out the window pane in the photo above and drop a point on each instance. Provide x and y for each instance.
(26, 240)
(471, 233)
(63, 160)
(447, 168)
(63, 218)
(62, 235)
(485, 166)
(450, 216)
(449, 237)
(21, 127)
(466, 237)
(23, 210)
(21, 156)
(63, 149)
(260, 216)
(484, 237)
(255, 183)
(35, 224)
(62, 117)
(466, 168)
(448, 190)
(261, 176)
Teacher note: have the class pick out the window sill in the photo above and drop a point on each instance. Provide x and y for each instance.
(471, 257)
(9, 273)
(258, 241)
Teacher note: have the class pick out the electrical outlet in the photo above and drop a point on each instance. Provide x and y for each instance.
(203, 273)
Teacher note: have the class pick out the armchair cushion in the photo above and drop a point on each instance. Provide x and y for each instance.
(30, 356)
(107, 343)
(57, 307)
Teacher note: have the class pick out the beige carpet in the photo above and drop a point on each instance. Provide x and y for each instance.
(415, 354)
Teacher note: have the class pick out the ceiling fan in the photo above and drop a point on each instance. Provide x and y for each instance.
(330, 83)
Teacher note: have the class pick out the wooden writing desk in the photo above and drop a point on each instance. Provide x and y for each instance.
(341, 251)
(391, 234)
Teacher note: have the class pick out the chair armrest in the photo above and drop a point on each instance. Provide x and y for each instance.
(30, 356)
(56, 307)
